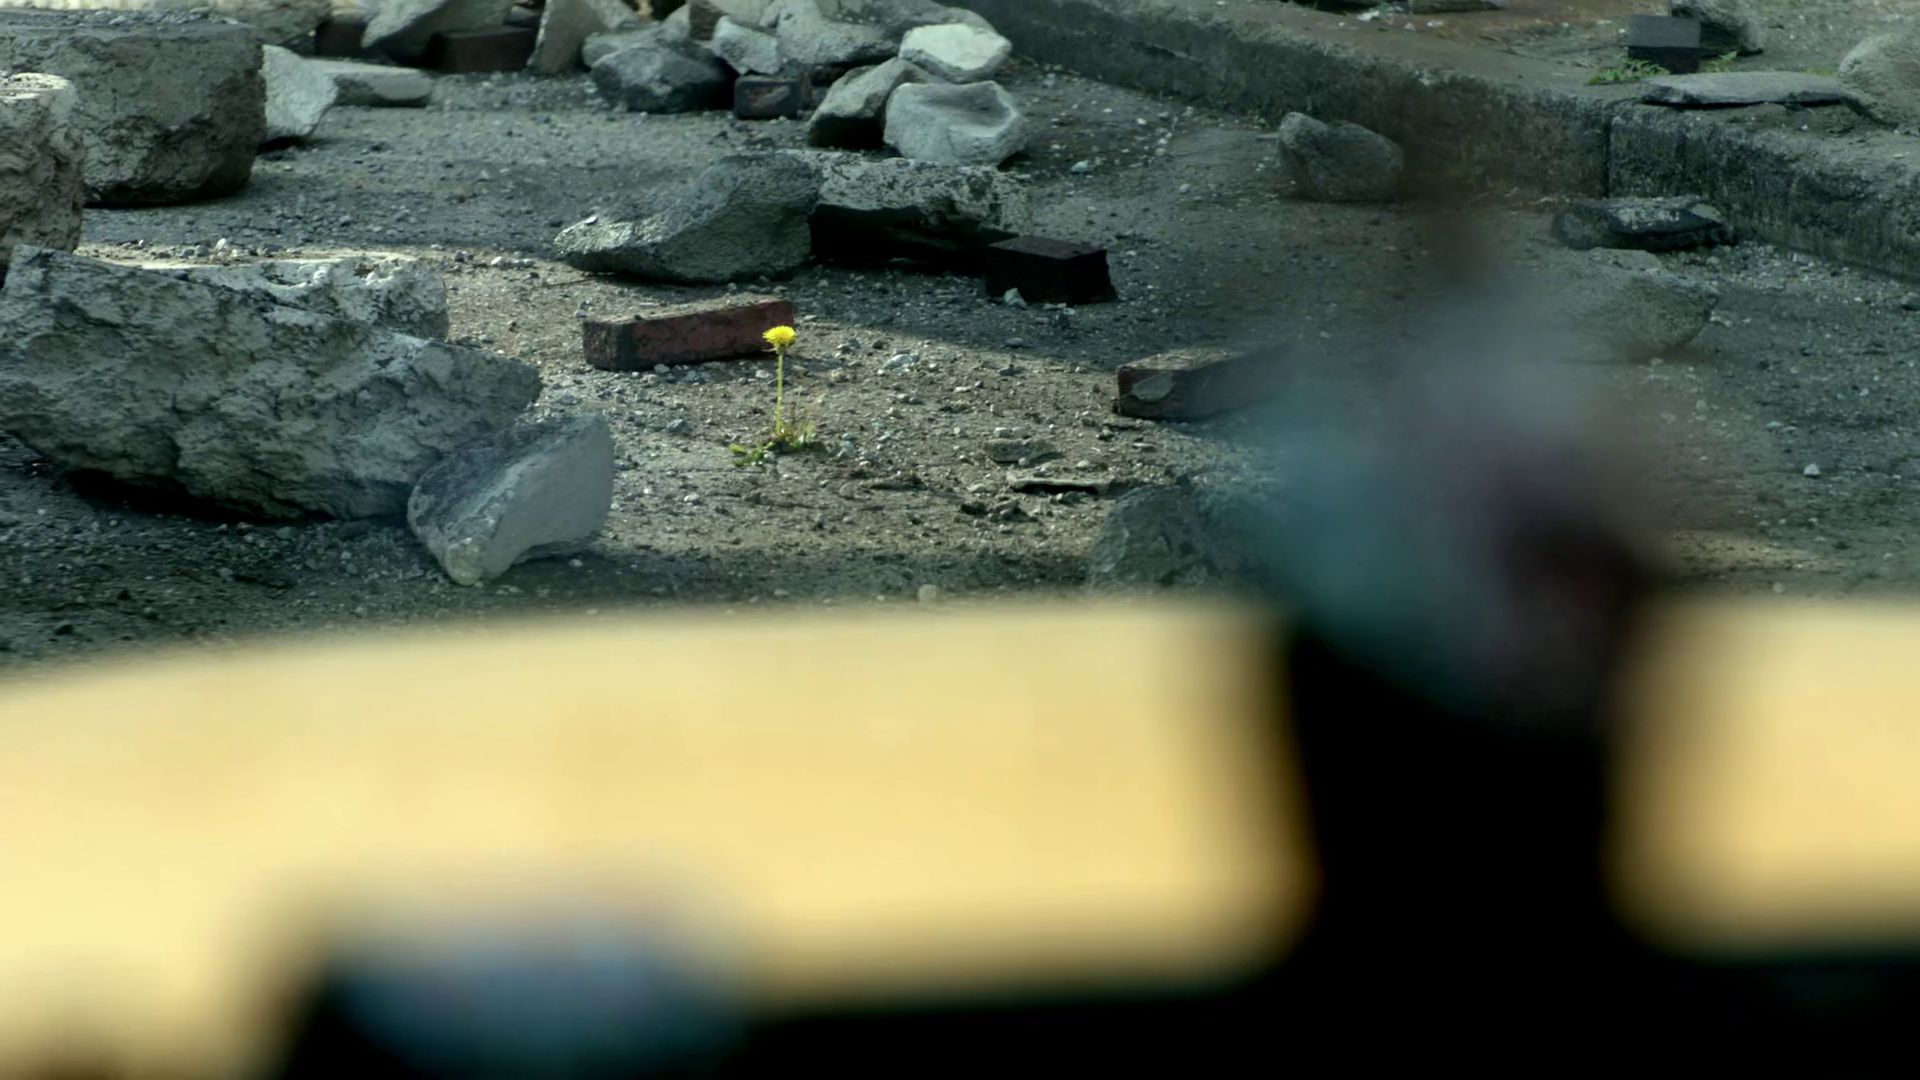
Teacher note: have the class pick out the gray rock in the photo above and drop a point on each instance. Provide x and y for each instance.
(42, 158)
(1726, 26)
(852, 115)
(895, 17)
(703, 16)
(1732, 88)
(1600, 306)
(746, 50)
(172, 106)
(206, 391)
(1020, 451)
(1339, 162)
(975, 124)
(1178, 535)
(298, 94)
(393, 292)
(534, 490)
(1645, 224)
(661, 73)
(565, 26)
(1438, 7)
(959, 202)
(598, 47)
(376, 86)
(811, 39)
(746, 216)
(1883, 75)
(956, 52)
(401, 28)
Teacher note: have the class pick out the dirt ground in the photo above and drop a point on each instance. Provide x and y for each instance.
(1808, 364)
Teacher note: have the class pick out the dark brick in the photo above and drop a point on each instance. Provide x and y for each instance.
(876, 238)
(1672, 43)
(340, 37)
(462, 52)
(1048, 271)
(771, 97)
(1157, 391)
(685, 333)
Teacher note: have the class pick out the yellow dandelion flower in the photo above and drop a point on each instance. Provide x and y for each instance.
(780, 337)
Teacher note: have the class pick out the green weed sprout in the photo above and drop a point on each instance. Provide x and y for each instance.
(1629, 71)
(1719, 64)
(789, 432)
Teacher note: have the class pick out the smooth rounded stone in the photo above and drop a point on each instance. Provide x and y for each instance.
(42, 158)
(974, 124)
(377, 86)
(1644, 224)
(956, 52)
(1727, 89)
(207, 392)
(811, 39)
(744, 217)
(298, 94)
(394, 292)
(1726, 26)
(1339, 162)
(852, 115)
(172, 106)
(402, 28)
(662, 74)
(1883, 75)
(946, 199)
(565, 26)
(533, 491)
(746, 50)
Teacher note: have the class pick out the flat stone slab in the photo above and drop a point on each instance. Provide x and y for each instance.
(377, 85)
(1729, 89)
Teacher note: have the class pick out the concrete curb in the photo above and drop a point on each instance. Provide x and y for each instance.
(1488, 118)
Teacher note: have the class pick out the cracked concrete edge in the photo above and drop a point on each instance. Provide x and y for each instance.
(1490, 119)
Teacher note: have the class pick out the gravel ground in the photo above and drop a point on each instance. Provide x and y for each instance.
(1808, 365)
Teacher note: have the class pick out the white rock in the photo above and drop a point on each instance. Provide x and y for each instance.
(377, 85)
(298, 94)
(42, 161)
(746, 50)
(401, 28)
(565, 26)
(974, 124)
(535, 490)
(809, 38)
(202, 390)
(1883, 75)
(956, 52)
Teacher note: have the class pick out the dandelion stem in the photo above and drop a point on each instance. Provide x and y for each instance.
(779, 387)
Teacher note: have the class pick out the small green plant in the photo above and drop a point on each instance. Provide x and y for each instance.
(1626, 72)
(1721, 63)
(789, 432)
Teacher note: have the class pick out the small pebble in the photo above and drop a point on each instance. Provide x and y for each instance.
(930, 594)
(1810, 471)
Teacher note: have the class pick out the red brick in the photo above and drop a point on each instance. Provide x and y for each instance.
(1162, 390)
(462, 52)
(685, 333)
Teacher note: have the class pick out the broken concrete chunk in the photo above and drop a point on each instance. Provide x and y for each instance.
(872, 210)
(684, 333)
(809, 38)
(390, 291)
(1339, 162)
(565, 26)
(746, 216)
(852, 115)
(1733, 88)
(956, 52)
(534, 490)
(402, 28)
(598, 47)
(895, 17)
(1175, 536)
(298, 94)
(1882, 73)
(975, 124)
(660, 73)
(172, 106)
(746, 50)
(208, 392)
(703, 16)
(1656, 224)
(1726, 26)
(1602, 305)
(42, 158)
(376, 85)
